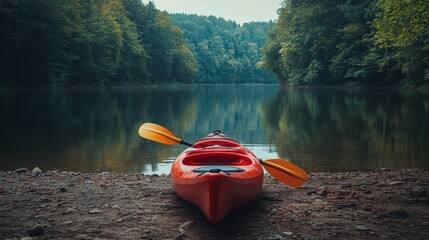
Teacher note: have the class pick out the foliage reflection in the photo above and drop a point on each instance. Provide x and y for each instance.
(354, 130)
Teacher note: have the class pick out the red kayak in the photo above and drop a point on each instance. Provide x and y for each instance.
(217, 174)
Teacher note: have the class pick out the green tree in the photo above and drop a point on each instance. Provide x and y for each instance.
(354, 61)
(225, 51)
(361, 42)
(303, 41)
(34, 39)
(100, 42)
(102, 52)
(132, 67)
(402, 27)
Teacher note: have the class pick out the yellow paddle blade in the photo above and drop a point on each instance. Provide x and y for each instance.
(158, 133)
(286, 172)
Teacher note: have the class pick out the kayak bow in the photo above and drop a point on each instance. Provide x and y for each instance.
(217, 175)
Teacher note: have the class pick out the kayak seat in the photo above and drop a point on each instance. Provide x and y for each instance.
(218, 169)
(219, 159)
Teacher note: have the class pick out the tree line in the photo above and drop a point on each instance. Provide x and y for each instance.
(100, 42)
(226, 52)
(122, 43)
(128, 43)
(364, 42)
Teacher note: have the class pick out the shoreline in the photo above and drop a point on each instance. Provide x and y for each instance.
(391, 204)
(424, 88)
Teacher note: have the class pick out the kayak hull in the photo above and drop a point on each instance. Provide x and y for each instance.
(217, 175)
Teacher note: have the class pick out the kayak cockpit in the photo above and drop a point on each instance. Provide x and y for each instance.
(220, 158)
(217, 174)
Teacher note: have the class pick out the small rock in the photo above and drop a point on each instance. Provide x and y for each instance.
(311, 192)
(95, 211)
(63, 188)
(182, 230)
(304, 237)
(184, 225)
(322, 192)
(345, 185)
(70, 210)
(35, 231)
(362, 228)
(148, 234)
(21, 170)
(36, 171)
(288, 233)
(396, 183)
(277, 237)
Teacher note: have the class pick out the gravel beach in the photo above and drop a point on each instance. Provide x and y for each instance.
(381, 204)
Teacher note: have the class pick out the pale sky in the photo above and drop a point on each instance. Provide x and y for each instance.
(240, 11)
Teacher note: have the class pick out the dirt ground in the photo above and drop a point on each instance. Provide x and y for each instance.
(382, 204)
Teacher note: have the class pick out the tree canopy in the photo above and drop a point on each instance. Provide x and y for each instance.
(129, 43)
(101, 42)
(123, 43)
(226, 52)
(402, 29)
(350, 42)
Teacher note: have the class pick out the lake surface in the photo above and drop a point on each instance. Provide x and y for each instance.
(316, 129)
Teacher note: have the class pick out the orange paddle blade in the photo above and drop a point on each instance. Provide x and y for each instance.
(158, 133)
(286, 172)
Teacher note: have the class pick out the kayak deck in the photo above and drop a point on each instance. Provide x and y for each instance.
(217, 175)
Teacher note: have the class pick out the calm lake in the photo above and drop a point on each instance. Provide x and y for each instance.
(316, 129)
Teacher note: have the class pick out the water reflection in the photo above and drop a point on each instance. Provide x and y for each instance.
(328, 130)
(319, 130)
(86, 130)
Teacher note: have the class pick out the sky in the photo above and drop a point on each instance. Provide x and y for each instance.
(240, 11)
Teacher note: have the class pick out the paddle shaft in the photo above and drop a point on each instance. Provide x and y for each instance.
(186, 143)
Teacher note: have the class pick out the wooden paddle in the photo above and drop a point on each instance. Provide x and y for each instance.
(286, 172)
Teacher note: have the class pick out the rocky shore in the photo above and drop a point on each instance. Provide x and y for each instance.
(382, 204)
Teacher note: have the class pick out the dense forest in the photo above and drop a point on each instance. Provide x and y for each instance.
(122, 43)
(101, 42)
(131, 43)
(226, 52)
(364, 42)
